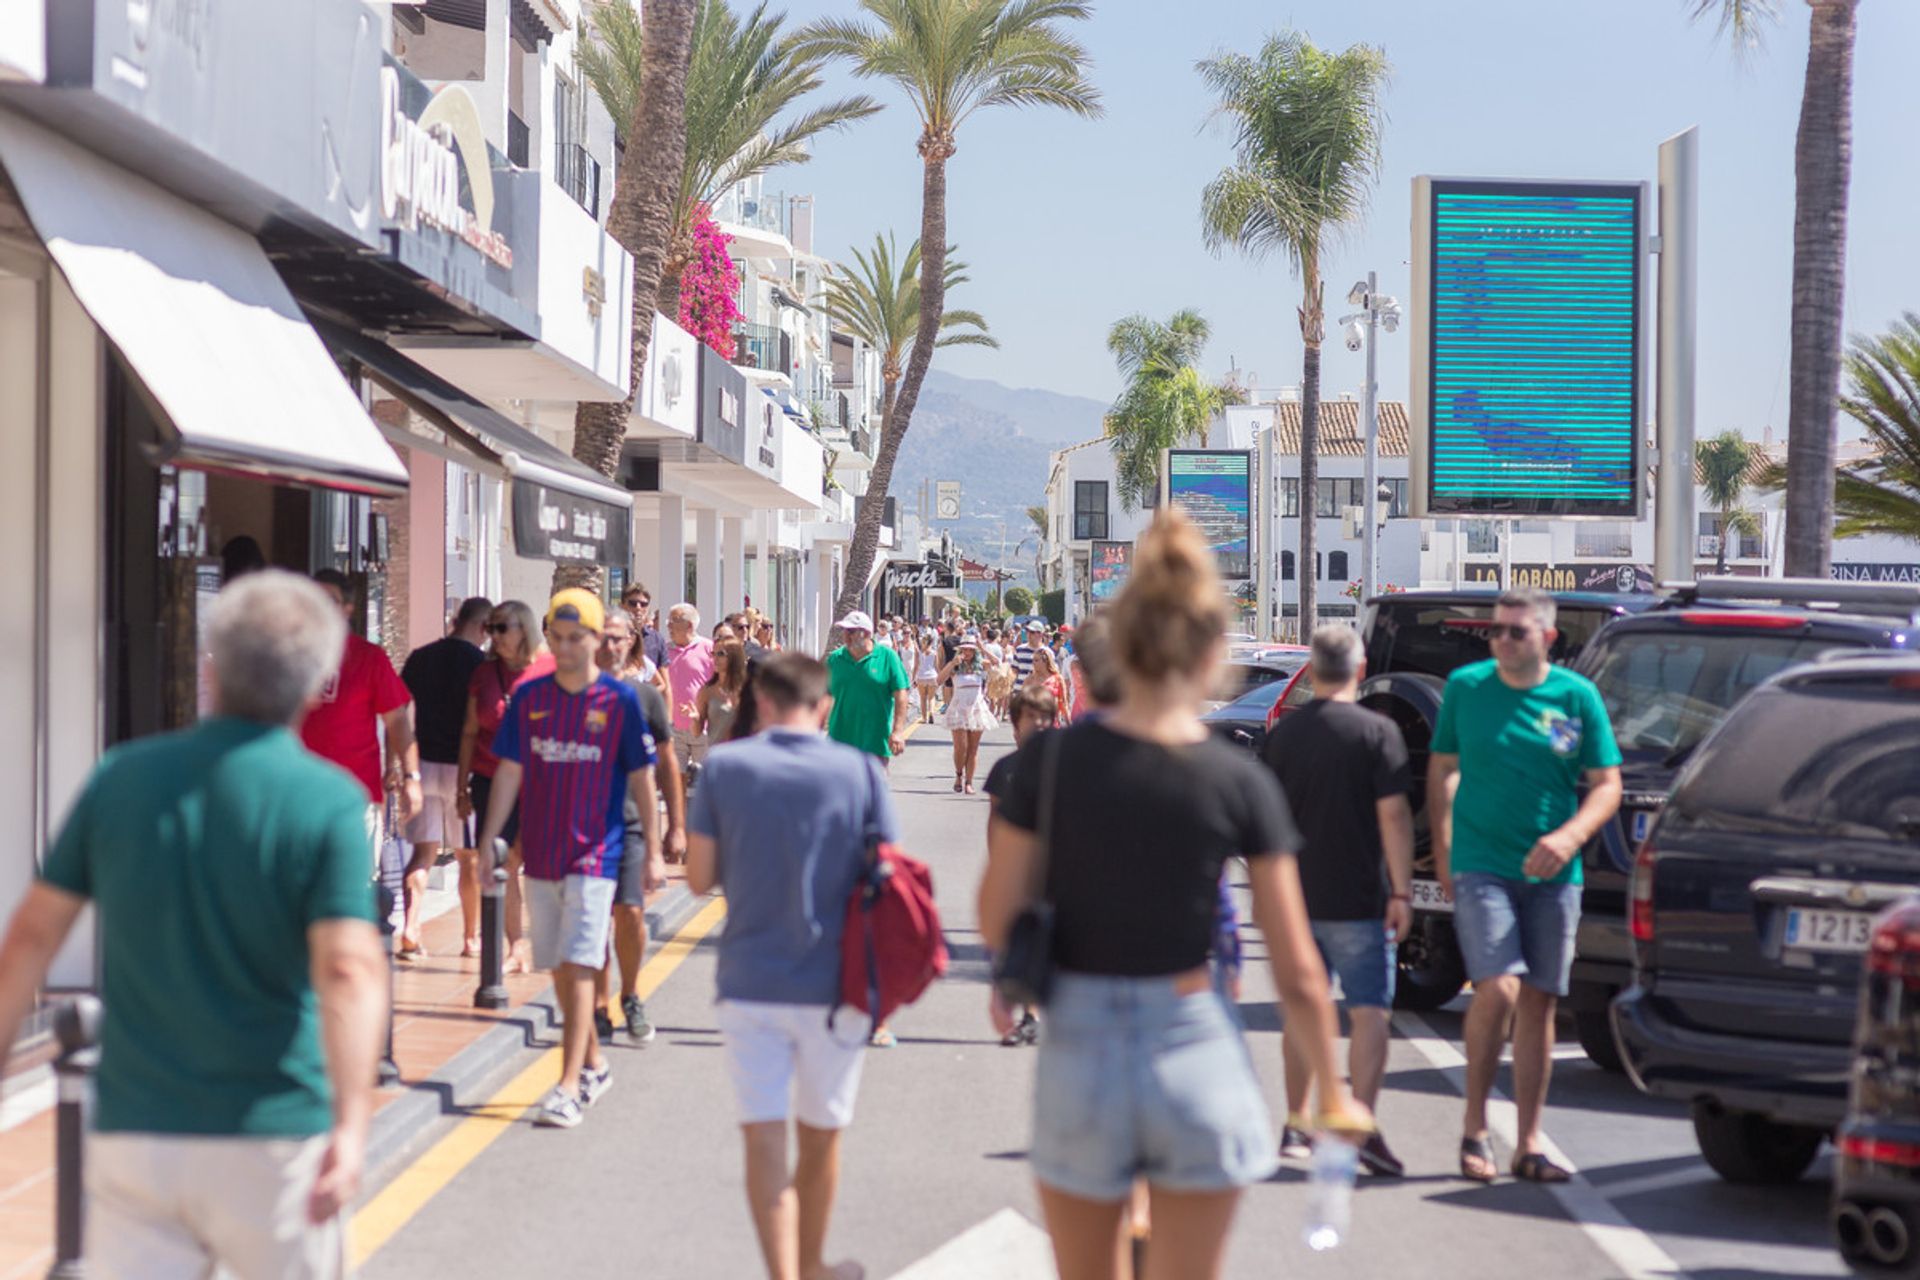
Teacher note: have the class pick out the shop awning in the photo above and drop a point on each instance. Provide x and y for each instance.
(203, 320)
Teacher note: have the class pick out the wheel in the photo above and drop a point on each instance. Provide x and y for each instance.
(1594, 1029)
(1743, 1147)
(1430, 971)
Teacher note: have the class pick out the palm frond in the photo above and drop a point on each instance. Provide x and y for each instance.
(1883, 395)
(1737, 21)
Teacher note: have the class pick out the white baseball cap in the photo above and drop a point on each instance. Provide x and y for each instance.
(856, 621)
(1036, 625)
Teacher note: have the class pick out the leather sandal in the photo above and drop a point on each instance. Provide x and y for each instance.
(1481, 1150)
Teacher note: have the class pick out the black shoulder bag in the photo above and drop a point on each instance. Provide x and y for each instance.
(1023, 971)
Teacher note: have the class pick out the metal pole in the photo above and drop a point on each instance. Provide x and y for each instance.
(1263, 597)
(77, 1026)
(1505, 528)
(1370, 483)
(492, 991)
(389, 1071)
(1673, 519)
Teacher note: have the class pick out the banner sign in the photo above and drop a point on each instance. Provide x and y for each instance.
(552, 524)
(1214, 487)
(1627, 579)
(1528, 366)
(1875, 572)
(1107, 570)
(910, 575)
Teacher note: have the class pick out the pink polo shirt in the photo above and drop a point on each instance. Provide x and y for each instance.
(688, 669)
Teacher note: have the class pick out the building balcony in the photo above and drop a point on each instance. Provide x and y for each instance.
(761, 346)
(578, 174)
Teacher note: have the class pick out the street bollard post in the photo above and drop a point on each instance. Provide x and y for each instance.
(389, 1070)
(492, 991)
(77, 1027)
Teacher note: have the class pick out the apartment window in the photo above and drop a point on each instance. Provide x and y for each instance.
(1333, 497)
(577, 173)
(1748, 546)
(1089, 509)
(1290, 497)
(1319, 562)
(1337, 566)
(1286, 566)
(1398, 502)
(1483, 537)
(1612, 539)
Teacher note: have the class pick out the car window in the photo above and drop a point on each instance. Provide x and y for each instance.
(1825, 758)
(1665, 690)
(1436, 639)
(1254, 702)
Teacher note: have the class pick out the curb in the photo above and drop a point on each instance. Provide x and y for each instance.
(404, 1123)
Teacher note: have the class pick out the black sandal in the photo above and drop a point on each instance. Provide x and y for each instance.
(1534, 1167)
(1482, 1150)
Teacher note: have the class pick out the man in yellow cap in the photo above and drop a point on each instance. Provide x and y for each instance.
(573, 747)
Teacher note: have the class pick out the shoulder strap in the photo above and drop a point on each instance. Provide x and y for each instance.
(1049, 783)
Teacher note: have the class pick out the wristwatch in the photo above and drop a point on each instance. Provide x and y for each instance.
(414, 776)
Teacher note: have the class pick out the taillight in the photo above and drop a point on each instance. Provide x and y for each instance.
(1640, 905)
(1879, 1150)
(1895, 948)
(1770, 621)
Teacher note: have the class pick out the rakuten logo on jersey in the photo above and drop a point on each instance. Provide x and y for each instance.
(554, 751)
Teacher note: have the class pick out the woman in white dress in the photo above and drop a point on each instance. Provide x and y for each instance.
(967, 714)
(926, 674)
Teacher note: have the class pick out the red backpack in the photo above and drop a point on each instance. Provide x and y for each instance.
(892, 948)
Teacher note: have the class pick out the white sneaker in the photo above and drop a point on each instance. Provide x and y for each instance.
(594, 1083)
(558, 1110)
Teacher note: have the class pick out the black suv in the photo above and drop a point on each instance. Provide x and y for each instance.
(1752, 905)
(1668, 676)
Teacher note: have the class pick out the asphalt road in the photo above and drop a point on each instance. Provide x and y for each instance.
(935, 1185)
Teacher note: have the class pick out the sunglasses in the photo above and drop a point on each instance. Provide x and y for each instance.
(1508, 631)
(501, 628)
(638, 603)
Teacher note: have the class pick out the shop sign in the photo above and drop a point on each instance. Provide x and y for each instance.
(905, 575)
(766, 453)
(723, 395)
(422, 162)
(1623, 578)
(552, 524)
(1866, 572)
(593, 290)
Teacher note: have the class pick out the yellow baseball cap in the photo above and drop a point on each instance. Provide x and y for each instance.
(577, 604)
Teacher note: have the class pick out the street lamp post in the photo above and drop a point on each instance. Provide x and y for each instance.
(1377, 311)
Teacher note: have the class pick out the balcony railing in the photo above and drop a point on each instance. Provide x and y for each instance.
(761, 346)
(862, 441)
(518, 139)
(843, 411)
(579, 176)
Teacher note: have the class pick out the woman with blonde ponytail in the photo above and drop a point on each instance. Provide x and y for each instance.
(1142, 1068)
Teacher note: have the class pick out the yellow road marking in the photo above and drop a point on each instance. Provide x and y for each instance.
(421, 1181)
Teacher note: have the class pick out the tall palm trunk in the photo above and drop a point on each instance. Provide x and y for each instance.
(935, 149)
(1311, 323)
(641, 219)
(1822, 163)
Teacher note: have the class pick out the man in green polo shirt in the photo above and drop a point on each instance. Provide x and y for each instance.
(228, 865)
(868, 684)
(1518, 735)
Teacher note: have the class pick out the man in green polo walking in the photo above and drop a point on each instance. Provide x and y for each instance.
(868, 684)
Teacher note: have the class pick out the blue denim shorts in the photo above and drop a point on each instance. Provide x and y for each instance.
(1358, 953)
(1138, 1080)
(1516, 926)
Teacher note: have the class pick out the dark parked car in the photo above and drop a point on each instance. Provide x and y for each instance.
(1668, 676)
(1876, 1187)
(1243, 721)
(1241, 675)
(1752, 904)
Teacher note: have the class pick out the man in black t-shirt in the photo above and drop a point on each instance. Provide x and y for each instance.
(436, 675)
(1344, 770)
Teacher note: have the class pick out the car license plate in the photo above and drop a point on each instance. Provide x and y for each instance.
(1811, 929)
(1426, 896)
(1642, 820)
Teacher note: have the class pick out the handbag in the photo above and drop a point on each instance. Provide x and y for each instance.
(1023, 971)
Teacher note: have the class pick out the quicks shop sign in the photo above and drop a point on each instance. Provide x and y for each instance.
(421, 163)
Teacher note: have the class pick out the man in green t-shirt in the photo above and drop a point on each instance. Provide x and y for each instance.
(228, 865)
(1517, 735)
(868, 684)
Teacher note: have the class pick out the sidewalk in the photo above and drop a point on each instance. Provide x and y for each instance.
(443, 1045)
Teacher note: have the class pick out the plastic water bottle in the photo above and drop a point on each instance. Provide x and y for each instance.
(1330, 1192)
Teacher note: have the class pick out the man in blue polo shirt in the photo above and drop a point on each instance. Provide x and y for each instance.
(573, 746)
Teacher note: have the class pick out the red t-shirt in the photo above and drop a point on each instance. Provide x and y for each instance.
(342, 727)
(490, 690)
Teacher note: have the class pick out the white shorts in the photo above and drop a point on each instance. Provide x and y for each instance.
(438, 821)
(161, 1205)
(784, 1061)
(570, 919)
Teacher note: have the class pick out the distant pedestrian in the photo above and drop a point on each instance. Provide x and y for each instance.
(718, 702)
(926, 675)
(1344, 769)
(765, 636)
(573, 748)
(1030, 712)
(1518, 736)
(799, 845)
(229, 869)
(437, 675)
(513, 635)
(1141, 807)
(650, 645)
(869, 690)
(1035, 636)
(967, 716)
(1045, 676)
(689, 666)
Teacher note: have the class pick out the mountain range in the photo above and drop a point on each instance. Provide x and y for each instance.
(994, 440)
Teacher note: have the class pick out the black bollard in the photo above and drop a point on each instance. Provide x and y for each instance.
(77, 1026)
(492, 991)
(389, 1072)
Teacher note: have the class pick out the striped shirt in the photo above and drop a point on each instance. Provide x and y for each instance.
(576, 751)
(1023, 661)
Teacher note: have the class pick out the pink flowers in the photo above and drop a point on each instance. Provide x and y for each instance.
(709, 286)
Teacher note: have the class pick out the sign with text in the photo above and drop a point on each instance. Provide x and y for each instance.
(910, 575)
(552, 524)
(1628, 579)
(1214, 487)
(1108, 565)
(1875, 572)
(1528, 366)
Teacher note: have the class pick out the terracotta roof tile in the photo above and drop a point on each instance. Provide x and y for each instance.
(1341, 434)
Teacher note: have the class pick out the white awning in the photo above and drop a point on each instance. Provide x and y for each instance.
(201, 317)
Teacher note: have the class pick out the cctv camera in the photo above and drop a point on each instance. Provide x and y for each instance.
(1355, 338)
(1358, 294)
(1390, 321)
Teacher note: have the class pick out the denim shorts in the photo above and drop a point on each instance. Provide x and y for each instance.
(1136, 1079)
(1518, 927)
(1358, 953)
(570, 919)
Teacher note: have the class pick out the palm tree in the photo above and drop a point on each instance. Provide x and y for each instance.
(1723, 463)
(951, 58)
(1307, 127)
(1038, 515)
(1822, 169)
(1883, 496)
(1166, 401)
(640, 217)
(742, 78)
(879, 303)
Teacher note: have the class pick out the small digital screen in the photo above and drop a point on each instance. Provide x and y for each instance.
(1110, 564)
(1214, 487)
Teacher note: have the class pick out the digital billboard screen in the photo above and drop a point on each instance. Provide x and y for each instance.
(1107, 570)
(1214, 487)
(1528, 362)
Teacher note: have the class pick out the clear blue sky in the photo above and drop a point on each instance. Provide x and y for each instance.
(1068, 224)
